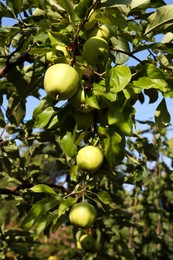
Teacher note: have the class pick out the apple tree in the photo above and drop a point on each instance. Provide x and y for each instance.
(83, 177)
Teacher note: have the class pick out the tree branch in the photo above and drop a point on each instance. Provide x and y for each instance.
(10, 65)
(23, 57)
(130, 55)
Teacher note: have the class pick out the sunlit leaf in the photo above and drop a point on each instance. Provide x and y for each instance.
(105, 197)
(161, 16)
(40, 226)
(69, 7)
(38, 210)
(120, 77)
(139, 4)
(42, 188)
(67, 143)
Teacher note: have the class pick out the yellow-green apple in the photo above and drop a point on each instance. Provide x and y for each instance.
(61, 81)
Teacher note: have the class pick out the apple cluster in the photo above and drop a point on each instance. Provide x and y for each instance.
(64, 81)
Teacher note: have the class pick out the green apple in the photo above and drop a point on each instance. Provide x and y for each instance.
(83, 215)
(61, 81)
(90, 158)
(97, 246)
(61, 55)
(87, 242)
(96, 50)
(78, 101)
(100, 31)
(83, 120)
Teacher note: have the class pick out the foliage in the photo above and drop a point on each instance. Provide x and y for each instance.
(39, 178)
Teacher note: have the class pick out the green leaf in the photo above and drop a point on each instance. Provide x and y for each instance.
(45, 118)
(147, 83)
(62, 219)
(74, 172)
(151, 151)
(5, 12)
(152, 94)
(122, 117)
(67, 143)
(69, 7)
(91, 100)
(105, 197)
(119, 78)
(15, 5)
(40, 226)
(162, 116)
(139, 4)
(114, 3)
(161, 16)
(113, 143)
(65, 204)
(39, 209)
(168, 37)
(120, 44)
(59, 216)
(150, 71)
(82, 8)
(42, 188)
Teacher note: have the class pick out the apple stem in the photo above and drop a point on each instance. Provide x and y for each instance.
(83, 196)
(96, 142)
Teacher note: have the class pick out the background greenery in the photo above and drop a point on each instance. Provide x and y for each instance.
(39, 180)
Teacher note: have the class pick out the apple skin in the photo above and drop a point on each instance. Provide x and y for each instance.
(90, 158)
(96, 50)
(61, 81)
(87, 242)
(53, 58)
(78, 101)
(100, 31)
(83, 215)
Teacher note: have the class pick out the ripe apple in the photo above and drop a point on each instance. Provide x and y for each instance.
(83, 120)
(87, 242)
(89, 158)
(100, 31)
(96, 50)
(61, 81)
(61, 55)
(78, 101)
(83, 215)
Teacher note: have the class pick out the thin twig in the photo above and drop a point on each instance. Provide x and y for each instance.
(134, 215)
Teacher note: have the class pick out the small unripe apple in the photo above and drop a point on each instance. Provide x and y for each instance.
(100, 31)
(61, 81)
(83, 215)
(96, 50)
(87, 242)
(78, 101)
(57, 57)
(90, 158)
